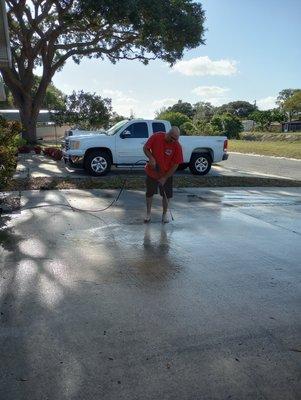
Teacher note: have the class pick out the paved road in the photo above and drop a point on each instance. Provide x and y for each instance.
(281, 167)
(101, 306)
(237, 165)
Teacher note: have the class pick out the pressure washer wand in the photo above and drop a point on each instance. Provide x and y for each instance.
(164, 193)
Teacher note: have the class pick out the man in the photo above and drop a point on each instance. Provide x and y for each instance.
(165, 154)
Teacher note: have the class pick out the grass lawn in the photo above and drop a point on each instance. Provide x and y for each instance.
(275, 148)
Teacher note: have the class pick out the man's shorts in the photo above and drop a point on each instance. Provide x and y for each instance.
(152, 187)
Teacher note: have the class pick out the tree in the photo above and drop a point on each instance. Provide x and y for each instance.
(203, 111)
(293, 104)
(47, 33)
(262, 118)
(284, 95)
(217, 123)
(239, 108)
(182, 107)
(226, 124)
(54, 98)
(114, 118)
(188, 128)
(232, 126)
(87, 110)
(175, 118)
(278, 115)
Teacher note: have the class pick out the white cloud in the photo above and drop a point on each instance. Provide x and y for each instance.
(213, 94)
(201, 66)
(267, 103)
(122, 103)
(112, 93)
(157, 104)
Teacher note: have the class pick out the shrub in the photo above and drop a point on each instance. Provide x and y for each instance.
(232, 126)
(37, 149)
(24, 149)
(53, 152)
(10, 140)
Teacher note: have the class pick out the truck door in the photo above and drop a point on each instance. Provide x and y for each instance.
(130, 142)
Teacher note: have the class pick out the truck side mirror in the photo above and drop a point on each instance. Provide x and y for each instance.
(125, 134)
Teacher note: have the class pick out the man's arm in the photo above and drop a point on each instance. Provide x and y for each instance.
(168, 174)
(151, 158)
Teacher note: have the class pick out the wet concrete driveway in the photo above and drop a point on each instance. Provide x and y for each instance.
(101, 306)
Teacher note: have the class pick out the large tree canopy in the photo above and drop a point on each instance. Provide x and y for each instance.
(293, 104)
(239, 108)
(85, 110)
(182, 107)
(46, 33)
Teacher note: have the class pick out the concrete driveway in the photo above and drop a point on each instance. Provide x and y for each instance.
(101, 306)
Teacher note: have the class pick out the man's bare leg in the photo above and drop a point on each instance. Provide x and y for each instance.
(165, 204)
(149, 201)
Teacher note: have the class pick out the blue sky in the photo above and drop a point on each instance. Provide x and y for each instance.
(252, 52)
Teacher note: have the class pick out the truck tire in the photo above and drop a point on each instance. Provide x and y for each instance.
(98, 163)
(200, 163)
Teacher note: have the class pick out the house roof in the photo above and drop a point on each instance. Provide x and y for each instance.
(14, 115)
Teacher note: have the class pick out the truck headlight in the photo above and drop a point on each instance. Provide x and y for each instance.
(74, 144)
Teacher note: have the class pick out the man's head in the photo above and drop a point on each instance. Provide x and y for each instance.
(173, 135)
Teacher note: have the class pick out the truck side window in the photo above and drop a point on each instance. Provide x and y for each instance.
(138, 130)
(158, 127)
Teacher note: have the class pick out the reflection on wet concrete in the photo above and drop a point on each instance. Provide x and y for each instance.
(107, 307)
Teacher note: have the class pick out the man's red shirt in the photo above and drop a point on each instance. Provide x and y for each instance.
(166, 154)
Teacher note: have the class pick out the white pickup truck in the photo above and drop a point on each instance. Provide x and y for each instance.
(122, 145)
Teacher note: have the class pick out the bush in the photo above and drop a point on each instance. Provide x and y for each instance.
(232, 126)
(24, 149)
(217, 124)
(53, 152)
(37, 149)
(10, 140)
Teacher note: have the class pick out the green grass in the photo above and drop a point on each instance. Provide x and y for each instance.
(268, 148)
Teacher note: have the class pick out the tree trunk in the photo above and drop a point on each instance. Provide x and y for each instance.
(29, 105)
(29, 117)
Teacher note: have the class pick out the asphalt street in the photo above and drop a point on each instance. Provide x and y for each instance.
(35, 166)
(102, 306)
(265, 165)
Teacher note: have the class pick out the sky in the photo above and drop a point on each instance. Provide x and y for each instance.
(252, 52)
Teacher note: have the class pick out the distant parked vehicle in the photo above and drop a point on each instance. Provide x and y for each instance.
(122, 145)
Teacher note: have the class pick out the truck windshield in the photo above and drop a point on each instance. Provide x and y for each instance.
(116, 127)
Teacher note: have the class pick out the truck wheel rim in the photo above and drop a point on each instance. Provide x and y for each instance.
(201, 164)
(99, 164)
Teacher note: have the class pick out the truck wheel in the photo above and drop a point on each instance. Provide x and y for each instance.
(200, 163)
(98, 163)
